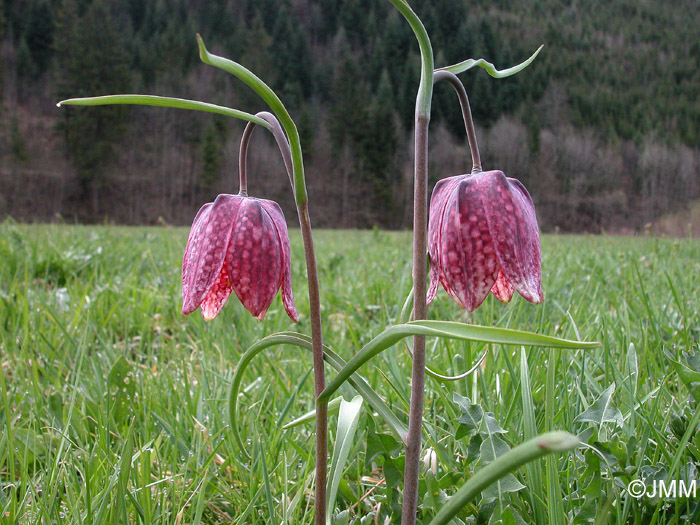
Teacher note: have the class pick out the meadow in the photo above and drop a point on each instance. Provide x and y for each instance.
(114, 407)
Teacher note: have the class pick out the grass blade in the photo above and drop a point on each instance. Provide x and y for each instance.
(348, 419)
(534, 469)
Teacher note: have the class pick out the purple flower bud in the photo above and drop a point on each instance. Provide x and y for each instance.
(237, 244)
(483, 237)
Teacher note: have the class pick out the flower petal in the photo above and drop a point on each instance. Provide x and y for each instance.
(439, 198)
(468, 263)
(513, 224)
(275, 212)
(217, 297)
(254, 258)
(502, 288)
(206, 249)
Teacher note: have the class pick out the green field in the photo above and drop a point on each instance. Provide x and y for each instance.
(114, 407)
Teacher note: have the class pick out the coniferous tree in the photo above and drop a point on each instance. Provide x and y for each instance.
(378, 149)
(212, 156)
(39, 35)
(91, 61)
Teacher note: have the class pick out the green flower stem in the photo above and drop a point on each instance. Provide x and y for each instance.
(466, 114)
(420, 223)
(314, 299)
(165, 102)
(272, 100)
(528, 451)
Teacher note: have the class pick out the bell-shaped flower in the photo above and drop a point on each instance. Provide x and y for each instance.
(483, 237)
(241, 244)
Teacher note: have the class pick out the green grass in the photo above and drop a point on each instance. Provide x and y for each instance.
(113, 407)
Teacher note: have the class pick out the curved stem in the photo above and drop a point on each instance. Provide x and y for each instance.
(273, 125)
(314, 304)
(466, 114)
(272, 100)
(277, 132)
(243, 160)
(420, 224)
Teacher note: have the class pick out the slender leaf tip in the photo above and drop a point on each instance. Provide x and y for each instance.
(202, 49)
(489, 67)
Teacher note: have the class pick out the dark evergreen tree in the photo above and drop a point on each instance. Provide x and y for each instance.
(91, 61)
(378, 148)
(39, 35)
(212, 156)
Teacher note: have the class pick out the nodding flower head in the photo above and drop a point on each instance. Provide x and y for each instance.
(239, 244)
(483, 237)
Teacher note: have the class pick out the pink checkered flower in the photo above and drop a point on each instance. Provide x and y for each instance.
(237, 244)
(483, 237)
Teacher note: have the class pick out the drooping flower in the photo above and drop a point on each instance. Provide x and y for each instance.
(241, 244)
(483, 237)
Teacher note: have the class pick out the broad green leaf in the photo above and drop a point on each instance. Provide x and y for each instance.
(690, 377)
(497, 469)
(489, 67)
(492, 448)
(693, 361)
(474, 448)
(348, 419)
(602, 410)
(509, 516)
(497, 490)
(303, 341)
(163, 102)
(471, 416)
(489, 426)
(448, 330)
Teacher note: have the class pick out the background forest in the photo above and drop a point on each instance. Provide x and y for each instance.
(603, 128)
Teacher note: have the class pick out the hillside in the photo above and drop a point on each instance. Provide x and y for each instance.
(603, 128)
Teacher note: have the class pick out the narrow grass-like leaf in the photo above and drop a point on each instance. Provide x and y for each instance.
(163, 102)
(534, 468)
(348, 419)
(292, 398)
(505, 464)
(489, 67)
(295, 339)
(555, 508)
(333, 407)
(266, 482)
(449, 330)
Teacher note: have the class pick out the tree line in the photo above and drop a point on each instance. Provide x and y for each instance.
(603, 128)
